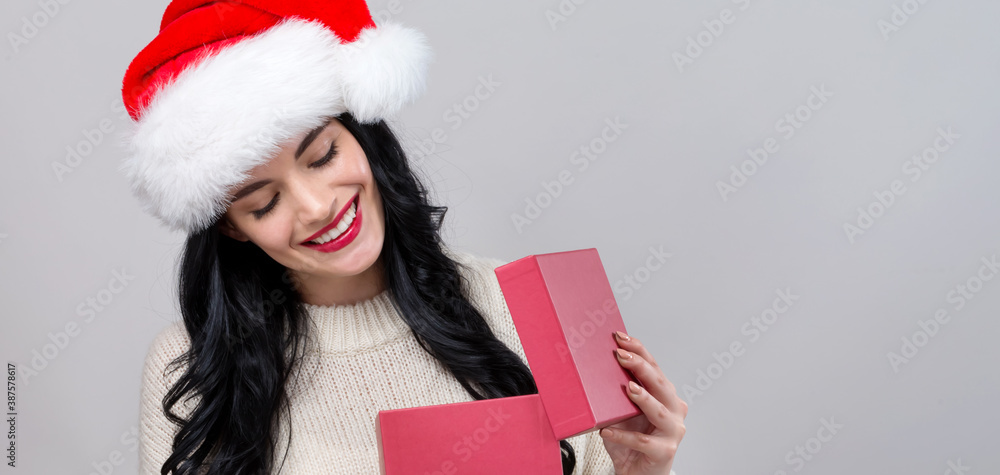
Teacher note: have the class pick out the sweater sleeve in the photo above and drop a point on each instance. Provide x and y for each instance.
(156, 432)
(591, 456)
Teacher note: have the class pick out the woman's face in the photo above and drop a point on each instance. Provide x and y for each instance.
(315, 208)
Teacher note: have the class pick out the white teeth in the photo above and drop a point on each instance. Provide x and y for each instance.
(345, 223)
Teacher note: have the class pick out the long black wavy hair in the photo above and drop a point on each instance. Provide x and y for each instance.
(237, 326)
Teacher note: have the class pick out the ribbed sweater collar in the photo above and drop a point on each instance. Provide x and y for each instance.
(362, 326)
(370, 324)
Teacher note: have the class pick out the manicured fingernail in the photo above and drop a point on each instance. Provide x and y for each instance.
(606, 432)
(623, 354)
(622, 336)
(634, 388)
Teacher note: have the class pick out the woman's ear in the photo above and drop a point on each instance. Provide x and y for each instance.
(227, 228)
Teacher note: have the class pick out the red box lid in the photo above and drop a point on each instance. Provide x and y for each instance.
(566, 314)
(491, 436)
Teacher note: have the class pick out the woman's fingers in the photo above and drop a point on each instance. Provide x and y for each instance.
(660, 446)
(658, 414)
(633, 344)
(659, 450)
(630, 356)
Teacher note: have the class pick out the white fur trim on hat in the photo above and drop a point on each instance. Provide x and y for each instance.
(395, 54)
(233, 111)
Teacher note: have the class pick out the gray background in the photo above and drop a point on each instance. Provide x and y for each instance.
(826, 358)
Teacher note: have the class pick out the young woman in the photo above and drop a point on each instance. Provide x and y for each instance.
(314, 287)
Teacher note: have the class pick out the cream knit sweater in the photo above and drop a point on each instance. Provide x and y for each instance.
(366, 360)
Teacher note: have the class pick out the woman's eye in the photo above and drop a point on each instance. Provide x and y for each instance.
(329, 156)
(267, 209)
(260, 213)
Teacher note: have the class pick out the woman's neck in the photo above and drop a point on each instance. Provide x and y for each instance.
(317, 289)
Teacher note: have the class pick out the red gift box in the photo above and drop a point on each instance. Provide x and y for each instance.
(491, 436)
(565, 314)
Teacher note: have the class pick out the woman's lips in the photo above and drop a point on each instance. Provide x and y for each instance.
(346, 237)
(336, 220)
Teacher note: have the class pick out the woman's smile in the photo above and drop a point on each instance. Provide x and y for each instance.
(340, 232)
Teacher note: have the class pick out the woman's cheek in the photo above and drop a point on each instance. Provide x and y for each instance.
(281, 235)
(269, 235)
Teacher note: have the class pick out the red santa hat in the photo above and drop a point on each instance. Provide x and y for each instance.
(225, 84)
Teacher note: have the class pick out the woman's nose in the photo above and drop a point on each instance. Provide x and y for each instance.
(313, 201)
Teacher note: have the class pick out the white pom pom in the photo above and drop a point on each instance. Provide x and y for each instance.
(384, 69)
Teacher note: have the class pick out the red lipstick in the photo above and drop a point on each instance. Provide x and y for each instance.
(346, 237)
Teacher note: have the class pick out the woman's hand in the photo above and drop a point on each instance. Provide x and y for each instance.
(646, 444)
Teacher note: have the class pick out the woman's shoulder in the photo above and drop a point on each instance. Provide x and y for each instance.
(169, 343)
(156, 431)
(159, 372)
(172, 339)
(478, 271)
(482, 288)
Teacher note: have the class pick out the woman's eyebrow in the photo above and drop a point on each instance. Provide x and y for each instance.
(309, 139)
(246, 190)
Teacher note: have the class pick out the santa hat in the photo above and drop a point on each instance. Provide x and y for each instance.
(225, 84)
